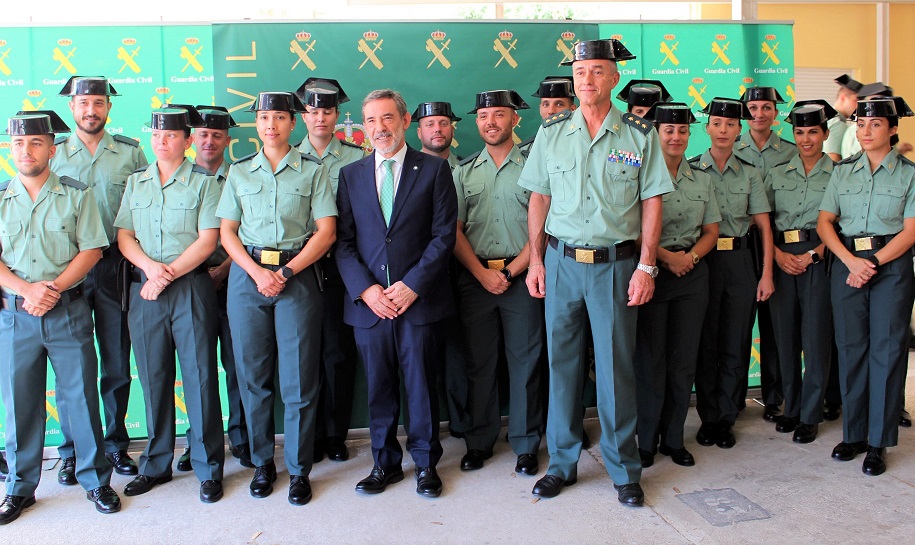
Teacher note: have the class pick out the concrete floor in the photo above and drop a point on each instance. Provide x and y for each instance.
(790, 493)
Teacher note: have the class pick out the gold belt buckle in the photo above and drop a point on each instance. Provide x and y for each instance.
(584, 256)
(865, 243)
(792, 236)
(270, 257)
(726, 243)
(495, 264)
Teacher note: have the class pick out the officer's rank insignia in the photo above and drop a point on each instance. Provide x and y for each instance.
(625, 157)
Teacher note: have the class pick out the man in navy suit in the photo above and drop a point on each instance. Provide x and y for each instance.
(396, 232)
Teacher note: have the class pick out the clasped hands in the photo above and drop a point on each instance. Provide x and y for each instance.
(389, 303)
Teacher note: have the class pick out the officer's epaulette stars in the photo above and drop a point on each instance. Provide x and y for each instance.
(200, 170)
(126, 140)
(71, 182)
(4, 185)
(635, 121)
(469, 158)
(245, 158)
(557, 118)
(60, 140)
(310, 157)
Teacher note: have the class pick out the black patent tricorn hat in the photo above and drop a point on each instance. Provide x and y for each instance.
(676, 113)
(727, 107)
(810, 113)
(876, 107)
(611, 50)
(175, 117)
(216, 117)
(878, 88)
(433, 109)
(88, 85)
(277, 100)
(555, 87)
(321, 93)
(762, 93)
(58, 125)
(35, 123)
(644, 92)
(507, 98)
(849, 83)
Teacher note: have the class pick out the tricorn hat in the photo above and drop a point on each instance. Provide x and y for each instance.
(555, 87)
(432, 109)
(762, 93)
(88, 85)
(321, 93)
(810, 113)
(727, 107)
(35, 123)
(611, 50)
(676, 113)
(507, 98)
(216, 117)
(277, 100)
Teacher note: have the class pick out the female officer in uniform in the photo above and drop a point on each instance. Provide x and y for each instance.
(800, 306)
(733, 286)
(872, 198)
(665, 370)
(275, 306)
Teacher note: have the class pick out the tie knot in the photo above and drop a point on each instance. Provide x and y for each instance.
(388, 165)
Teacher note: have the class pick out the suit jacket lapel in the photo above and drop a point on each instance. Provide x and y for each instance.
(412, 165)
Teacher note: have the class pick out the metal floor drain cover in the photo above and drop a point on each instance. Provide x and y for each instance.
(724, 506)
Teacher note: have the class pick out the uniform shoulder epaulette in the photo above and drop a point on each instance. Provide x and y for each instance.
(851, 159)
(245, 158)
(695, 159)
(640, 124)
(350, 144)
(557, 118)
(4, 185)
(906, 160)
(60, 140)
(310, 157)
(299, 143)
(527, 143)
(783, 163)
(469, 158)
(744, 161)
(71, 182)
(126, 140)
(200, 170)
(141, 169)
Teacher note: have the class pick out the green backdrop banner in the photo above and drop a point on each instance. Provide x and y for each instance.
(228, 64)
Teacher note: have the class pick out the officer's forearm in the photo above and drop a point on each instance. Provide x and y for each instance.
(900, 245)
(130, 247)
(317, 246)
(537, 210)
(228, 232)
(464, 252)
(78, 268)
(651, 229)
(826, 229)
(520, 263)
(768, 245)
(195, 254)
(708, 239)
(10, 281)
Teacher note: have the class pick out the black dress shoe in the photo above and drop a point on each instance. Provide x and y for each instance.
(630, 494)
(549, 486)
(299, 490)
(527, 464)
(262, 484)
(67, 473)
(428, 483)
(806, 433)
(210, 491)
(243, 454)
(905, 419)
(122, 463)
(106, 500)
(143, 484)
(336, 449)
(379, 479)
(832, 411)
(845, 452)
(184, 461)
(726, 438)
(12, 507)
(785, 424)
(680, 456)
(771, 413)
(647, 458)
(585, 440)
(874, 462)
(707, 434)
(474, 459)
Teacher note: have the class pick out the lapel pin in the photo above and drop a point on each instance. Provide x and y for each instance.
(415, 167)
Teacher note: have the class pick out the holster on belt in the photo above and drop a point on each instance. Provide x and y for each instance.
(125, 277)
(756, 250)
(319, 274)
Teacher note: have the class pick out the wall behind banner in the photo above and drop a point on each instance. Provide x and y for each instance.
(228, 64)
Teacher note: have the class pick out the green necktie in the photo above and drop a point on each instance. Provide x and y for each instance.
(387, 190)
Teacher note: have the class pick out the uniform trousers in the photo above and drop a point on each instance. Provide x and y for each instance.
(872, 337)
(100, 290)
(599, 291)
(63, 336)
(724, 346)
(236, 428)
(278, 337)
(667, 345)
(802, 316)
(181, 319)
(514, 320)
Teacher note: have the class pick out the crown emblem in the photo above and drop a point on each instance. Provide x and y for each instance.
(192, 41)
(2, 43)
(438, 35)
(616, 37)
(64, 42)
(568, 36)
(303, 36)
(370, 36)
(34, 93)
(505, 35)
(129, 41)
(721, 37)
(163, 90)
(748, 80)
(698, 80)
(670, 37)
(770, 36)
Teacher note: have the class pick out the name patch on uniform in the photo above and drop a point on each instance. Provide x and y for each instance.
(625, 157)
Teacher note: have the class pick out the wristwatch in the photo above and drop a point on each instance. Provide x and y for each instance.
(814, 256)
(695, 257)
(507, 273)
(650, 269)
(286, 272)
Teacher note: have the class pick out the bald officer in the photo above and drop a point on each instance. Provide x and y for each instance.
(103, 162)
(597, 178)
(322, 99)
(50, 236)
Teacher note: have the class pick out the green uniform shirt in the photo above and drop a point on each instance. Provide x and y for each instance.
(275, 208)
(492, 205)
(796, 196)
(850, 144)
(453, 161)
(116, 158)
(837, 126)
(219, 255)
(38, 240)
(596, 186)
(687, 208)
(776, 151)
(872, 204)
(166, 219)
(739, 192)
(337, 155)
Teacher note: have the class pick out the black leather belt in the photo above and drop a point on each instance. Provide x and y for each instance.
(797, 235)
(271, 256)
(496, 264)
(733, 243)
(11, 302)
(870, 242)
(590, 254)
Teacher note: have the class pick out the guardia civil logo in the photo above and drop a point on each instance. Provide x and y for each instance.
(160, 99)
(192, 57)
(669, 49)
(63, 54)
(300, 47)
(4, 54)
(503, 45)
(370, 45)
(6, 159)
(437, 44)
(564, 45)
(720, 48)
(129, 57)
(696, 91)
(33, 100)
